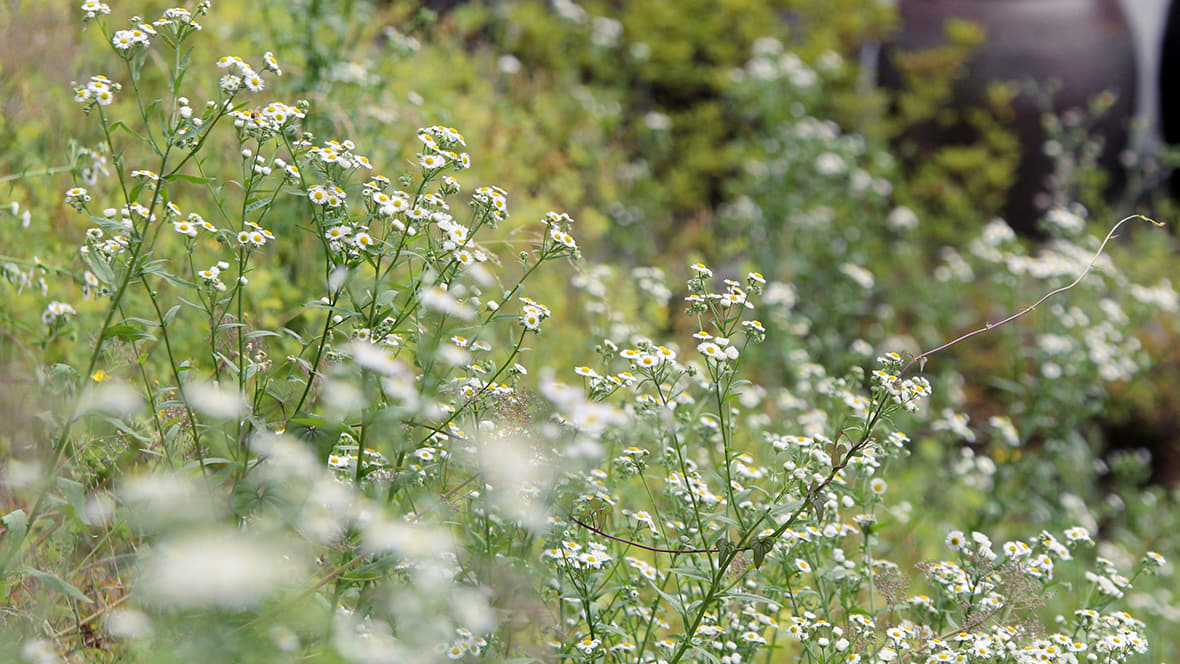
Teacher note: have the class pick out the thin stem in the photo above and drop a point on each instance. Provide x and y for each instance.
(921, 359)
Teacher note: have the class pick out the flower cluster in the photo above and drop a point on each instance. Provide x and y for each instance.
(532, 314)
(906, 392)
(573, 555)
(98, 90)
(238, 74)
(56, 313)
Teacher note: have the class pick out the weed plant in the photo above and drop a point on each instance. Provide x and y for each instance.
(394, 477)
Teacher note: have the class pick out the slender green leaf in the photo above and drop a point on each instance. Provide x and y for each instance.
(55, 583)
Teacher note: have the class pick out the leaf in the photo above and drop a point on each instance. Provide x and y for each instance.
(817, 504)
(63, 372)
(293, 334)
(99, 266)
(708, 655)
(151, 107)
(56, 583)
(386, 298)
(725, 548)
(320, 433)
(762, 547)
(158, 268)
(17, 523)
(190, 178)
(748, 597)
(257, 204)
(210, 461)
(125, 332)
(120, 125)
(125, 428)
(692, 573)
(140, 321)
(674, 601)
(171, 313)
(75, 495)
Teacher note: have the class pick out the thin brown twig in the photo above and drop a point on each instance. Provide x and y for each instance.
(991, 326)
(644, 546)
(91, 618)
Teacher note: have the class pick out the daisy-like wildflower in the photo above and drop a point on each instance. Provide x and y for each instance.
(751, 636)
(252, 81)
(754, 326)
(718, 349)
(185, 227)
(645, 518)
(456, 232)
(230, 83)
(533, 314)
(318, 194)
(93, 8)
(878, 486)
(531, 319)
(178, 14)
(955, 540)
(431, 162)
(99, 89)
(271, 63)
(797, 629)
(363, 241)
(553, 218)
(561, 237)
(124, 40)
(1016, 549)
(337, 232)
(1057, 548)
(104, 96)
(57, 311)
(228, 61)
(1040, 566)
(646, 570)
(77, 197)
(647, 361)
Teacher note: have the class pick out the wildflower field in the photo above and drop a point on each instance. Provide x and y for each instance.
(347, 331)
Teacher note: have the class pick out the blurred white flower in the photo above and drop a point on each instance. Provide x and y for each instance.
(223, 569)
(215, 401)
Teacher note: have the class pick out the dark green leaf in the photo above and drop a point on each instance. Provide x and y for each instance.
(128, 333)
(692, 573)
(762, 547)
